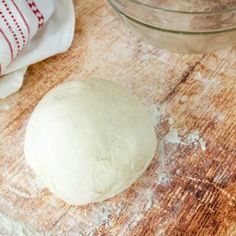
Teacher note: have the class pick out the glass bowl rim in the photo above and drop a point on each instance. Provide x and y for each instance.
(167, 30)
(140, 3)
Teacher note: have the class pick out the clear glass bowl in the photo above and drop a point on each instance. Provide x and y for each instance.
(183, 26)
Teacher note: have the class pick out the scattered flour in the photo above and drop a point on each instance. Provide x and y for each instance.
(202, 79)
(193, 138)
(149, 204)
(208, 81)
(183, 99)
(171, 121)
(164, 178)
(202, 144)
(102, 218)
(173, 137)
(178, 172)
(157, 111)
(10, 227)
(149, 201)
(18, 192)
(219, 116)
(4, 107)
(136, 218)
(104, 215)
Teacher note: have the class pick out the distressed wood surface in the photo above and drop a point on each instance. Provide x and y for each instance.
(189, 188)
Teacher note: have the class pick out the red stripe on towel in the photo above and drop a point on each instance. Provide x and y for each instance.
(36, 12)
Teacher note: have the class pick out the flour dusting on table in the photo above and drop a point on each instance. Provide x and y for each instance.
(173, 137)
(10, 227)
(157, 111)
(191, 139)
(4, 107)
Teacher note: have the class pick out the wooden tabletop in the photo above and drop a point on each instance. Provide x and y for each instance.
(190, 186)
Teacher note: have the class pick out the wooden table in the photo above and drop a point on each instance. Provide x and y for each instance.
(189, 188)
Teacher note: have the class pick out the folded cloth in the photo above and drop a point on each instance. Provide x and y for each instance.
(30, 31)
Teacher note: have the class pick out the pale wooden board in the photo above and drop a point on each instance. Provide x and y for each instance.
(197, 92)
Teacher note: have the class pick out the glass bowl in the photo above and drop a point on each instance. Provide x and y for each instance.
(182, 26)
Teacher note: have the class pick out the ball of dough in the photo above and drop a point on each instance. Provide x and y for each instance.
(89, 140)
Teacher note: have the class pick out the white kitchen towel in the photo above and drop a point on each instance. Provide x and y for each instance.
(30, 31)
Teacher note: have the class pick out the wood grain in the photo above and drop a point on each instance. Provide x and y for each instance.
(196, 91)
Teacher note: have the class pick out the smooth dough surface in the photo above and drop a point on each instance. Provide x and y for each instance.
(89, 140)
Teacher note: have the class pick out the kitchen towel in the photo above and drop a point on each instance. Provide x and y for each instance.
(30, 31)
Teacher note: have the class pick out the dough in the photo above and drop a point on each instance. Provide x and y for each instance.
(89, 140)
